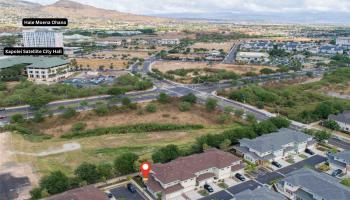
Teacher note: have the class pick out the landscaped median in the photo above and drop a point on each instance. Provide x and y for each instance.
(136, 128)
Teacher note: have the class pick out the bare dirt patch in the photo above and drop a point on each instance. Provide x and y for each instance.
(165, 66)
(226, 46)
(95, 63)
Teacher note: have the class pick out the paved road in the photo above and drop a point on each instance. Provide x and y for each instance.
(251, 184)
(231, 56)
(339, 143)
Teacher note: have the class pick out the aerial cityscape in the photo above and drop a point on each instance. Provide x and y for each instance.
(174, 100)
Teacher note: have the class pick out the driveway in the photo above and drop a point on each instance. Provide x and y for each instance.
(244, 186)
(312, 161)
(123, 193)
(339, 143)
(222, 195)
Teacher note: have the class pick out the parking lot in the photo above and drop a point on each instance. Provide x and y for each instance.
(124, 193)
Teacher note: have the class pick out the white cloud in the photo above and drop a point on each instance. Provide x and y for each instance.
(197, 6)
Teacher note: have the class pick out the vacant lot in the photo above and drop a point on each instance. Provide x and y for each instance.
(95, 63)
(119, 53)
(165, 66)
(226, 46)
(105, 148)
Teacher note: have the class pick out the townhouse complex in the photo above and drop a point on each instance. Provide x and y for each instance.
(340, 160)
(274, 146)
(342, 119)
(311, 185)
(185, 174)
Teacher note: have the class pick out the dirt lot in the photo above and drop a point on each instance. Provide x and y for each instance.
(167, 113)
(165, 66)
(95, 63)
(226, 46)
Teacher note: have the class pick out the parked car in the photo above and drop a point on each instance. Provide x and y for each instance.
(110, 195)
(131, 188)
(2, 109)
(309, 151)
(3, 117)
(240, 176)
(208, 188)
(337, 172)
(276, 164)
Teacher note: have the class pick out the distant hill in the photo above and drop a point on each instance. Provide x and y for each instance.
(79, 15)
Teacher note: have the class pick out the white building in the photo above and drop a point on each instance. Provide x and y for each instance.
(252, 57)
(343, 41)
(48, 70)
(275, 146)
(169, 41)
(173, 179)
(42, 38)
(343, 120)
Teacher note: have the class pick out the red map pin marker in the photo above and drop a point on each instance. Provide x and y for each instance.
(145, 168)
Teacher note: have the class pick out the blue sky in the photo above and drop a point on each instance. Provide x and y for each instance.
(207, 6)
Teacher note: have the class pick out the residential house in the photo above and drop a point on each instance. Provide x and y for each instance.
(308, 184)
(340, 160)
(343, 119)
(275, 146)
(169, 41)
(85, 193)
(260, 193)
(184, 174)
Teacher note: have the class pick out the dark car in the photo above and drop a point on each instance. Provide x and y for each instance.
(276, 164)
(110, 195)
(2, 117)
(240, 177)
(2, 109)
(131, 188)
(308, 151)
(208, 188)
(337, 172)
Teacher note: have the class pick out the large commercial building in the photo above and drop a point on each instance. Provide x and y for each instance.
(42, 38)
(173, 179)
(252, 57)
(275, 146)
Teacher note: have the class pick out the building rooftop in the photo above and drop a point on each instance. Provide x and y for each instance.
(342, 117)
(252, 54)
(84, 193)
(261, 193)
(274, 141)
(320, 184)
(344, 155)
(9, 61)
(185, 168)
(48, 62)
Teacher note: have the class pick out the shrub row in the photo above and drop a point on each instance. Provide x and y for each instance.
(137, 128)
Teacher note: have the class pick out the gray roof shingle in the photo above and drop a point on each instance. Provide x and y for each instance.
(274, 141)
(319, 184)
(342, 117)
(260, 193)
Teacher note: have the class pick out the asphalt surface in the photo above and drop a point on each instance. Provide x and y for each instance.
(251, 185)
(222, 195)
(10, 186)
(124, 193)
(339, 143)
(231, 56)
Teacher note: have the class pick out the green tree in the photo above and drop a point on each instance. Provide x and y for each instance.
(38, 117)
(166, 154)
(251, 118)
(223, 118)
(190, 97)
(267, 71)
(87, 172)
(116, 91)
(224, 145)
(126, 101)
(125, 163)
(151, 108)
(321, 136)
(79, 126)
(238, 113)
(264, 127)
(54, 183)
(331, 124)
(69, 113)
(280, 122)
(17, 118)
(101, 109)
(36, 194)
(184, 106)
(105, 170)
(211, 104)
(163, 98)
